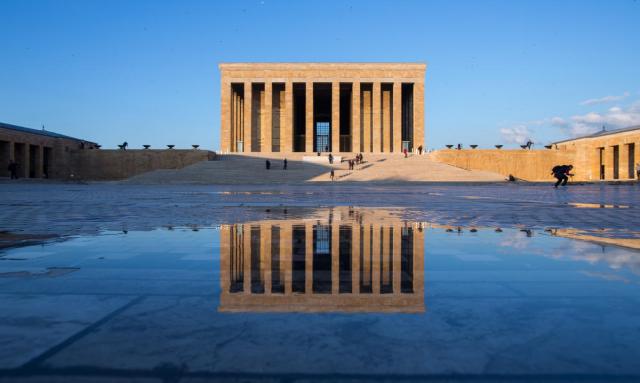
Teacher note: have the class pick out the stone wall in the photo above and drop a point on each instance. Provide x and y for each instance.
(103, 165)
(529, 165)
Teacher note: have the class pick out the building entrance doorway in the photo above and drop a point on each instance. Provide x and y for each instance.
(601, 162)
(323, 142)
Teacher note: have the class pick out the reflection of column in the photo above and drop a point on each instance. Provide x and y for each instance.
(246, 236)
(385, 266)
(366, 256)
(309, 117)
(397, 240)
(355, 117)
(377, 127)
(308, 258)
(375, 278)
(226, 272)
(335, 258)
(418, 259)
(397, 117)
(266, 125)
(355, 259)
(335, 116)
(265, 256)
(248, 103)
(286, 241)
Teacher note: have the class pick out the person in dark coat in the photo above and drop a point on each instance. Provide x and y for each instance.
(284, 165)
(562, 174)
(268, 164)
(13, 169)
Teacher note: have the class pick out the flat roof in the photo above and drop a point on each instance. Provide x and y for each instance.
(324, 65)
(38, 132)
(601, 133)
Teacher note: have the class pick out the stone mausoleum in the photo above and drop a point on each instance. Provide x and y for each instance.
(322, 107)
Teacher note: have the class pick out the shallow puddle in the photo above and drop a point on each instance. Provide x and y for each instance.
(332, 291)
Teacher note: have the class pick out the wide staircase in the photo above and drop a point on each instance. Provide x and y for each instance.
(251, 169)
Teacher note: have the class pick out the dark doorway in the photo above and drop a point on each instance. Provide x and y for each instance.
(322, 117)
(406, 260)
(345, 117)
(21, 158)
(257, 112)
(601, 162)
(322, 259)
(345, 260)
(298, 250)
(632, 160)
(34, 161)
(46, 162)
(407, 117)
(299, 113)
(277, 119)
(616, 162)
(4, 158)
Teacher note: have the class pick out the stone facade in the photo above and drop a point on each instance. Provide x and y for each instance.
(603, 156)
(322, 107)
(607, 155)
(38, 153)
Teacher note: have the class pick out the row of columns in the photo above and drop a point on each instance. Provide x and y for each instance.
(626, 151)
(381, 264)
(381, 129)
(20, 152)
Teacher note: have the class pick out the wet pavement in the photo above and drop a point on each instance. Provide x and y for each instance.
(486, 283)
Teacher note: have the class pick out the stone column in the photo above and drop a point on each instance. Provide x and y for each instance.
(608, 162)
(309, 117)
(248, 102)
(355, 117)
(377, 127)
(366, 121)
(355, 259)
(286, 124)
(623, 163)
(375, 263)
(240, 135)
(267, 124)
(397, 118)
(225, 116)
(40, 162)
(418, 115)
(386, 121)
(335, 116)
(26, 160)
(285, 255)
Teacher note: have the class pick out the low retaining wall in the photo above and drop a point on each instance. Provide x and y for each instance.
(104, 165)
(529, 165)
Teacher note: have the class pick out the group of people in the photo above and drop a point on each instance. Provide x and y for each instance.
(267, 164)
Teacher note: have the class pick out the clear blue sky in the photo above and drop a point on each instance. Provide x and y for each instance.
(146, 71)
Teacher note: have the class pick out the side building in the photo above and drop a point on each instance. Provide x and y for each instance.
(38, 153)
(322, 107)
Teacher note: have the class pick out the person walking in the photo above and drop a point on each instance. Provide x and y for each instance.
(332, 175)
(562, 174)
(420, 150)
(268, 164)
(13, 169)
(284, 165)
(406, 152)
(330, 158)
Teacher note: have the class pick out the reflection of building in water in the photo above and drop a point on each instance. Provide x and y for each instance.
(339, 260)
